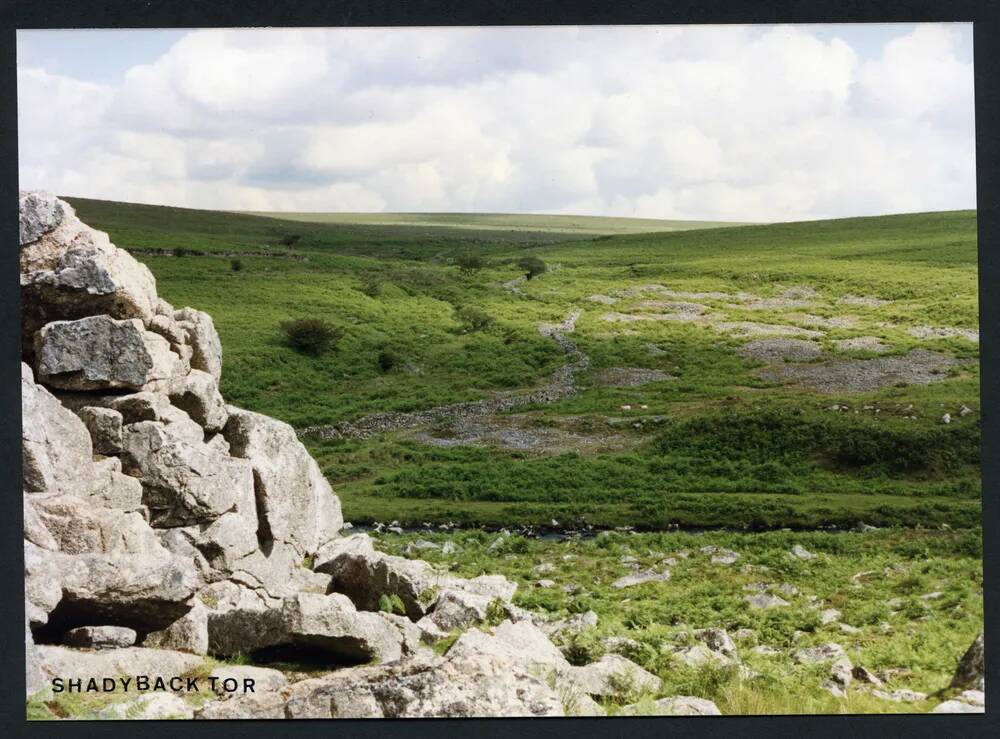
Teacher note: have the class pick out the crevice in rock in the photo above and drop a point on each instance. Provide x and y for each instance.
(265, 539)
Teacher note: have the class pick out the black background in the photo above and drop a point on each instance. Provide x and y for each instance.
(985, 14)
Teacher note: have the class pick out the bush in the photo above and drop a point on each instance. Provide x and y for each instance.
(470, 263)
(474, 319)
(311, 335)
(391, 603)
(388, 360)
(533, 266)
(290, 240)
(235, 265)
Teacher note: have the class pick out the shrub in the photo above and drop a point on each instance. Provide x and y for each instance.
(391, 603)
(470, 263)
(290, 240)
(235, 265)
(311, 335)
(388, 360)
(371, 286)
(533, 266)
(475, 319)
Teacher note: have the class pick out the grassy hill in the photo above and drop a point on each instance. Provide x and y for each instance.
(560, 224)
(713, 436)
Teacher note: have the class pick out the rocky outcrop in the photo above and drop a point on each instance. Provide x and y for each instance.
(365, 574)
(156, 515)
(70, 271)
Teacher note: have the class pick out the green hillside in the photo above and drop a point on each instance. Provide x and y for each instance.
(676, 416)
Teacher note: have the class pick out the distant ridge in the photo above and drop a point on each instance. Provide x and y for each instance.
(570, 224)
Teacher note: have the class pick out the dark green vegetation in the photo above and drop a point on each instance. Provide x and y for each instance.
(711, 445)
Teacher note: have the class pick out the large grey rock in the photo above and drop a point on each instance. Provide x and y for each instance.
(103, 353)
(100, 637)
(189, 633)
(68, 663)
(520, 642)
(241, 620)
(970, 673)
(105, 427)
(611, 676)
(365, 574)
(69, 270)
(56, 449)
(426, 687)
(198, 395)
(184, 481)
(297, 504)
(112, 569)
(201, 336)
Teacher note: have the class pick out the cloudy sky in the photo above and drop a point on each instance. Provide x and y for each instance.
(755, 123)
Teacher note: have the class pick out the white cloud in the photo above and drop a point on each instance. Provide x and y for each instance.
(740, 123)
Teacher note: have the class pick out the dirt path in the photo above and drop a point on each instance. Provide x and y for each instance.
(560, 385)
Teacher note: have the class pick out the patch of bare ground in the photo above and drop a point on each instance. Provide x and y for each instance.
(807, 319)
(630, 376)
(602, 299)
(862, 344)
(863, 300)
(778, 350)
(748, 329)
(671, 306)
(943, 332)
(679, 315)
(919, 367)
(663, 290)
(525, 433)
(774, 304)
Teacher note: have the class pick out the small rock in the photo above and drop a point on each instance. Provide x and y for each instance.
(829, 616)
(863, 675)
(763, 601)
(545, 583)
(946, 418)
(801, 552)
(901, 695)
(639, 578)
(822, 653)
(718, 640)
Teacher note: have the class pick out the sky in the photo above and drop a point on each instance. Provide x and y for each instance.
(743, 123)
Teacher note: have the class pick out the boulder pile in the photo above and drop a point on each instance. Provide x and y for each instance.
(162, 524)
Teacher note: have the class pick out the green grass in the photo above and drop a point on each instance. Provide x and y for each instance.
(715, 446)
(561, 224)
(896, 627)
